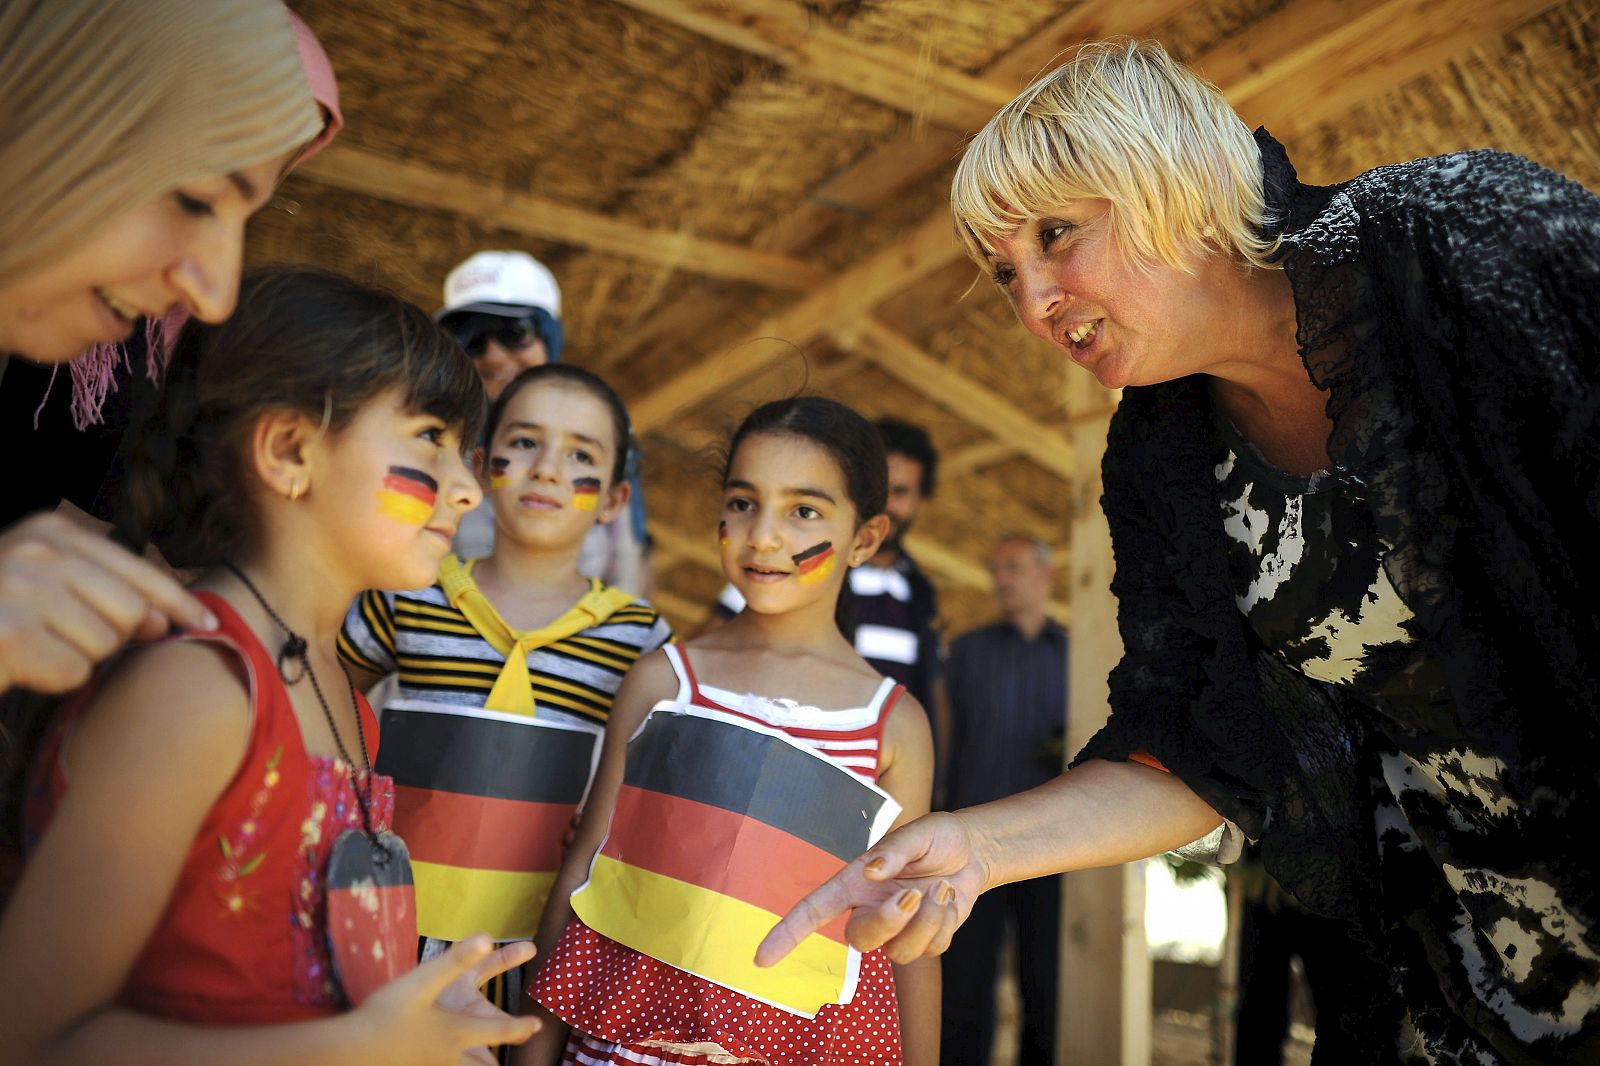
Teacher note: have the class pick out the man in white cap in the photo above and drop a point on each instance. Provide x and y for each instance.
(504, 308)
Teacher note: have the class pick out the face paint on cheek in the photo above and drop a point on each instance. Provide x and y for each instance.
(498, 467)
(408, 495)
(722, 534)
(586, 493)
(815, 563)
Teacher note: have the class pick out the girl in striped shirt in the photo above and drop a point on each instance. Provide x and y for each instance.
(506, 667)
(803, 499)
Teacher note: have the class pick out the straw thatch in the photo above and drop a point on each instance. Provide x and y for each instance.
(692, 133)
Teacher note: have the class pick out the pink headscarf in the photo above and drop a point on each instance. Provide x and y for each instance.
(94, 372)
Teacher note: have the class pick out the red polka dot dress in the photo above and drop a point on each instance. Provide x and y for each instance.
(628, 1008)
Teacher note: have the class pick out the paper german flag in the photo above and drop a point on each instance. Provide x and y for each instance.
(483, 800)
(721, 826)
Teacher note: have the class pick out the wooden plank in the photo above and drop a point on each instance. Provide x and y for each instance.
(907, 158)
(946, 563)
(417, 185)
(859, 288)
(1374, 48)
(1105, 1004)
(787, 34)
(971, 401)
(972, 458)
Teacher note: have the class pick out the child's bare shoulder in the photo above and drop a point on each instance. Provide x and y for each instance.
(176, 684)
(651, 671)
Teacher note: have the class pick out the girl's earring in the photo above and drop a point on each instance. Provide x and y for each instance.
(295, 490)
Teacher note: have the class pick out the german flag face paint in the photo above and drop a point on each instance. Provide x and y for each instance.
(498, 467)
(586, 493)
(408, 495)
(815, 563)
(720, 826)
(483, 799)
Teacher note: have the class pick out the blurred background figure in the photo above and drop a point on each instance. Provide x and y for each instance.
(1007, 685)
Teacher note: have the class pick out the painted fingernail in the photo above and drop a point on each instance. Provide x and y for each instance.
(908, 900)
(944, 893)
(875, 866)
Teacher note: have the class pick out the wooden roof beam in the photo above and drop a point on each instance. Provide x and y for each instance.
(961, 396)
(787, 34)
(973, 457)
(1315, 59)
(848, 295)
(882, 172)
(417, 185)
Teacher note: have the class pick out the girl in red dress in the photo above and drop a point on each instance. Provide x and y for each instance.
(803, 497)
(174, 908)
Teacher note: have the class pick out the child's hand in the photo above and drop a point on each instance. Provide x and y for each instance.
(465, 993)
(427, 1018)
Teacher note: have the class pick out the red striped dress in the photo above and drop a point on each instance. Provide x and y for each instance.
(626, 1007)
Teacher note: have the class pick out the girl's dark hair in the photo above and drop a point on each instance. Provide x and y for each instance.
(851, 440)
(577, 377)
(302, 339)
(856, 448)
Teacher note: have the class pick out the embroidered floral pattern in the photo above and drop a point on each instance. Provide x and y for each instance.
(332, 809)
(238, 896)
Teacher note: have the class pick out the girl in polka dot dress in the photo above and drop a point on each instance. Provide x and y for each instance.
(803, 498)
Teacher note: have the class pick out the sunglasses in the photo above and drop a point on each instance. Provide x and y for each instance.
(474, 332)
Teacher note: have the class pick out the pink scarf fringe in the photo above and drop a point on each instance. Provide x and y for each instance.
(94, 372)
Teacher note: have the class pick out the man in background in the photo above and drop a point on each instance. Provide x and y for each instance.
(1007, 688)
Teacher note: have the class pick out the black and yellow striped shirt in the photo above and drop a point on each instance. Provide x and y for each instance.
(441, 659)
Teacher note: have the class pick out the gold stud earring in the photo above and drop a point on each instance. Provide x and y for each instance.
(295, 490)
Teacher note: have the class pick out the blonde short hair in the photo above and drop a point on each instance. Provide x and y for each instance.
(1125, 122)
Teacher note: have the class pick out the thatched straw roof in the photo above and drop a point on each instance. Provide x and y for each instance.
(703, 173)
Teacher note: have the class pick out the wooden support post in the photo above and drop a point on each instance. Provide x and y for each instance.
(1105, 1013)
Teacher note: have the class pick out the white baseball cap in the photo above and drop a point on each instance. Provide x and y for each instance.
(501, 283)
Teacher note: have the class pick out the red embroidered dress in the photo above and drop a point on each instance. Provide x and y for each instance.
(243, 940)
(628, 1008)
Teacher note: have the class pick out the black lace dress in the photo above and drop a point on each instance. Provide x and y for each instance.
(1499, 959)
(1431, 782)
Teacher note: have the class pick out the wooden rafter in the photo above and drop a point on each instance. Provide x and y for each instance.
(972, 458)
(1280, 57)
(881, 173)
(421, 186)
(848, 295)
(785, 33)
(971, 401)
(1323, 57)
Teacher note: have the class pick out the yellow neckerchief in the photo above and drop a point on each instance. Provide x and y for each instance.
(513, 689)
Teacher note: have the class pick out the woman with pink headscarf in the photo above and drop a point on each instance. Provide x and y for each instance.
(136, 139)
